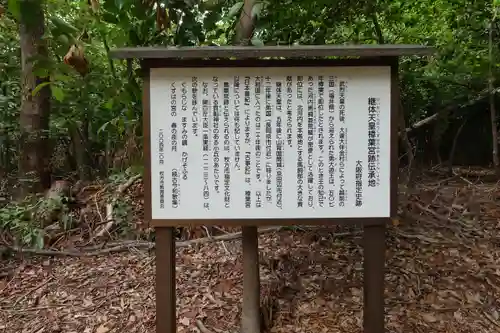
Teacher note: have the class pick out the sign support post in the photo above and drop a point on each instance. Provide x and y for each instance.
(165, 280)
(278, 136)
(373, 278)
(250, 316)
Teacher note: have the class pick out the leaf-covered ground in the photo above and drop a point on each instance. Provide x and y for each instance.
(443, 275)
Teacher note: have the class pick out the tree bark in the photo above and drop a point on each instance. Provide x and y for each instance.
(454, 148)
(408, 146)
(34, 173)
(493, 111)
(79, 138)
(245, 27)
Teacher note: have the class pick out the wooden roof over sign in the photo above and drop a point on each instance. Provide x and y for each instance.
(295, 51)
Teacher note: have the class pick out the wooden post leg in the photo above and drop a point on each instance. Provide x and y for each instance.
(165, 280)
(250, 321)
(374, 271)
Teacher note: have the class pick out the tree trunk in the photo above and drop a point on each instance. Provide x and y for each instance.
(244, 29)
(34, 173)
(493, 111)
(410, 177)
(79, 138)
(454, 148)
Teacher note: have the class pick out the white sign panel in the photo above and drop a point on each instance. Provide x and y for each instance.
(307, 142)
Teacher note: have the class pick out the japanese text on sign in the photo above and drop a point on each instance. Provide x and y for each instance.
(274, 143)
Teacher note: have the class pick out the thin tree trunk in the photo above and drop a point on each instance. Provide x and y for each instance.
(79, 140)
(493, 111)
(34, 173)
(454, 148)
(244, 29)
(408, 146)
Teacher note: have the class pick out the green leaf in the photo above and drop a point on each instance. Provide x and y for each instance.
(39, 241)
(63, 39)
(61, 78)
(109, 104)
(41, 72)
(63, 25)
(235, 9)
(119, 4)
(210, 3)
(256, 42)
(39, 87)
(256, 10)
(209, 22)
(110, 18)
(57, 93)
(14, 8)
(103, 127)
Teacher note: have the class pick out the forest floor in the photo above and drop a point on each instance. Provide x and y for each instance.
(443, 275)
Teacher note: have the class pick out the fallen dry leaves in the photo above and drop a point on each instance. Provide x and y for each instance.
(443, 275)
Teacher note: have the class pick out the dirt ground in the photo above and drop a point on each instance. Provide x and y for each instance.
(443, 275)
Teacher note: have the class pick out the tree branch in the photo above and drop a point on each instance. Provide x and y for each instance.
(482, 95)
(127, 245)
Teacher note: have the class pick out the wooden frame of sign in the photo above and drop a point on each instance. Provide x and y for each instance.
(286, 164)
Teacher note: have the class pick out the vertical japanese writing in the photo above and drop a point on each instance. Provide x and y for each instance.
(184, 114)
(194, 106)
(161, 147)
(342, 98)
(176, 189)
(248, 141)
(289, 111)
(227, 181)
(161, 161)
(237, 125)
(174, 195)
(184, 132)
(272, 143)
(258, 139)
(377, 130)
(227, 158)
(342, 164)
(321, 142)
(174, 136)
(300, 143)
(216, 133)
(162, 189)
(373, 174)
(269, 140)
(226, 117)
(331, 141)
(359, 183)
(184, 165)
(310, 141)
(279, 145)
(205, 114)
(173, 113)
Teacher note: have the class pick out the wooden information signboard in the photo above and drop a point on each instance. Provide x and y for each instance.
(270, 142)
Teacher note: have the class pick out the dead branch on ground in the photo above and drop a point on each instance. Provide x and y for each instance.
(127, 245)
(109, 220)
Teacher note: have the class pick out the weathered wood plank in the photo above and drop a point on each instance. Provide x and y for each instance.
(300, 51)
